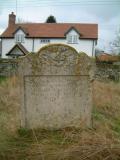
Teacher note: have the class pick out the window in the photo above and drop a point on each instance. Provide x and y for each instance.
(20, 38)
(75, 39)
(45, 41)
(72, 39)
(69, 39)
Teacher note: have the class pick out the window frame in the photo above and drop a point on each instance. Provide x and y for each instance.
(19, 38)
(72, 39)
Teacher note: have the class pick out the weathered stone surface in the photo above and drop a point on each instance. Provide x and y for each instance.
(56, 88)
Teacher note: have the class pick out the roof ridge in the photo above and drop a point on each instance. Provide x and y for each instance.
(57, 23)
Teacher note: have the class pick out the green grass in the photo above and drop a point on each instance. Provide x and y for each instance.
(97, 115)
(113, 122)
(116, 126)
(2, 79)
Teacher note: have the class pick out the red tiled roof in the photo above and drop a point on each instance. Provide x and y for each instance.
(107, 58)
(53, 30)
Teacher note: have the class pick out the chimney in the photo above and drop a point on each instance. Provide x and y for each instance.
(12, 18)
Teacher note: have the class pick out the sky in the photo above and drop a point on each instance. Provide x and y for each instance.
(106, 13)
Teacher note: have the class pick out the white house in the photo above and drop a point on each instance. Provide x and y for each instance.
(21, 38)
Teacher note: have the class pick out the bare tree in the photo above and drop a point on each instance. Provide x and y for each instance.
(20, 20)
(115, 45)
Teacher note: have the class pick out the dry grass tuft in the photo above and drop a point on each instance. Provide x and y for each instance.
(9, 104)
(101, 142)
(106, 97)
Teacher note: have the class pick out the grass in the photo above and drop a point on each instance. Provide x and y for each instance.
(101, 142)
(2, 79)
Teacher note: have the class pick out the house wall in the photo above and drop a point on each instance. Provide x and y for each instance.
(20, 32)
(84, 45)
(7, 44)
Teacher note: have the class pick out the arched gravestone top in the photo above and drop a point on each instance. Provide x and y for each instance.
(56, 59)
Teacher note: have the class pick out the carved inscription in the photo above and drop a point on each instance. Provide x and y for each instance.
(56, 100)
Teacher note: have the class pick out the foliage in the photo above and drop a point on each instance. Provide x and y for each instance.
(51, 19)
(2, 79)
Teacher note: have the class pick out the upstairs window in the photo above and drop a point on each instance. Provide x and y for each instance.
(20, 38)
(69, 38)
(72, 39)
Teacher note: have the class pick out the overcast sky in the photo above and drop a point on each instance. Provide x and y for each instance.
(104, 12)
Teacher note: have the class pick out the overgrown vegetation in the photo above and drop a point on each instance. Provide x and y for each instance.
(100, 142)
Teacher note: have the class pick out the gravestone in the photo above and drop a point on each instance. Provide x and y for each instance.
(56, 88)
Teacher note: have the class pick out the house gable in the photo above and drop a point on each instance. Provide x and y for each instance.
(17, 50)
(19, 36)
(20, 30)
(72, 36)
(72, 31)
